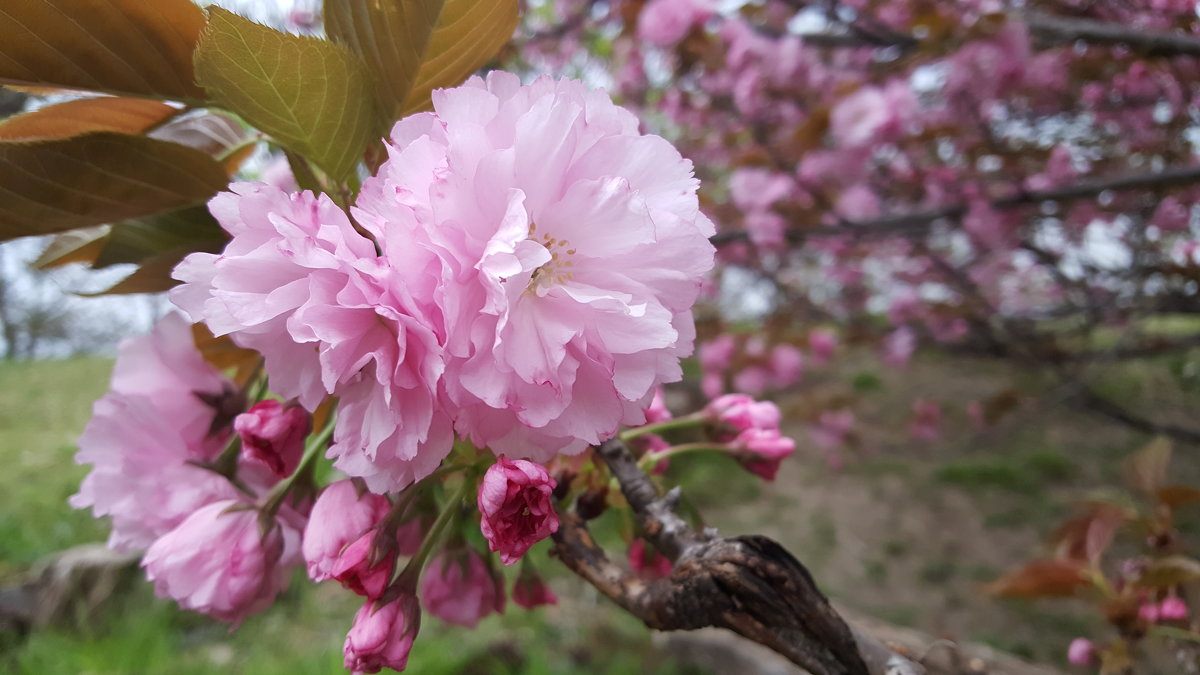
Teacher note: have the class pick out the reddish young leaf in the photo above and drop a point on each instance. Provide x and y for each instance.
(81, 116)
(97, 178)
(1042, 579)
(137, 47)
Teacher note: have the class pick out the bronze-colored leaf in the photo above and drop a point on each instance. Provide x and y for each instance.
(1086, 537)
(1042, 579)
(81, 116)
(1177, 496)
(59, 185)
(139, 47)
(76, 246)
(139, 239)
(225, 356)
(153, 276)
(313, 96)
(1170, 571)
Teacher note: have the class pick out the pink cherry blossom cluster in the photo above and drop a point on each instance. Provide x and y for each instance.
(513, 286)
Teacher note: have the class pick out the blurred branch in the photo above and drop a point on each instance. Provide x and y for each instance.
(750, 585)
(919, 222)
(1046, 27)
(1096, 403)
(1063, 29)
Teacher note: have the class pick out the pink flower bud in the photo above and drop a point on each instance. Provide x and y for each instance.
(339, 517)
(382, 636)
(531, 591)
(1081, 651)
(354, 571)
(658, 411)
(219, 561)
(761, 451)
(736, 413)
(752, 379)
(1148, 612)
(515, 500)
(927, 418)
(654, 566)
(1173, 609)
(716, 354)
(274, 434)
(460, 588)
(822, 343)
(787, 365)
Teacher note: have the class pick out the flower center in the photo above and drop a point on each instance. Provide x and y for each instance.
(557, 270)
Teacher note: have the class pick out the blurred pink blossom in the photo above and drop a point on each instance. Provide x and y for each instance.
(458, 587)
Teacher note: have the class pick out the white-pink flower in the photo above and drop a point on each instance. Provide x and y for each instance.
(220, 562)
(145, 432)
(301, 286)
(567, 250)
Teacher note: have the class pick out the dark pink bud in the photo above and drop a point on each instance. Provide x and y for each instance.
(761, 451)
(648, 564)
(460, 588)
(273, 434)
(531, 591)
(382, 635)
(354, 569)
(515, 501)
(1148, 612)
(1173, 609)
(340, 516)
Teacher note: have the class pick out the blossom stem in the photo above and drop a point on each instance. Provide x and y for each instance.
(311, 451)
(1174, 633)
(652, 458)
(695, 419)
(412, 571)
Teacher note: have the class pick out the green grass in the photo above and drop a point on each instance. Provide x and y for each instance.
(43, 408)
(1025, 473)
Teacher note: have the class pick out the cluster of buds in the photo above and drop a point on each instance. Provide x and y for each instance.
(751, 430)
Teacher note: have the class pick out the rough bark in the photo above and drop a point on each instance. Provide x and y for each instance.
(748, 584)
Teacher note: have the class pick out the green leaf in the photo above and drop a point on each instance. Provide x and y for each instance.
(81, 116)
(58, 185)
(415, 46)
(313, 96)
(138, 47)
(135, 241)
